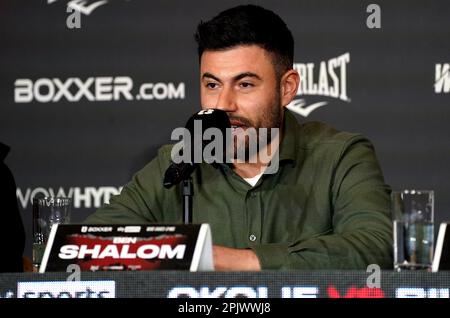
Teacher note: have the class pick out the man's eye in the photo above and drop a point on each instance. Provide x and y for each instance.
(211, 85)
(246, 85)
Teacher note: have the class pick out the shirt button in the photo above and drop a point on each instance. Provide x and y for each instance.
(252, 238)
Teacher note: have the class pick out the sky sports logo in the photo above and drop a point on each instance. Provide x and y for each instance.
(92, 89)
(64, 289)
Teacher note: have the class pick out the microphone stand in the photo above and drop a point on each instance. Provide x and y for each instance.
(188, 193)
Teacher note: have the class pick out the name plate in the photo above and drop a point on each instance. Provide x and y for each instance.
(129, 247)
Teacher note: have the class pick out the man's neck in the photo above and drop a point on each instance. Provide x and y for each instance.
(255, 167)
(248, 170)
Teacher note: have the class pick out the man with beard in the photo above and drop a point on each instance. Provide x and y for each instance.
(326, 207)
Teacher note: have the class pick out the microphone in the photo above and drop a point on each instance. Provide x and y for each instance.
(204, 119)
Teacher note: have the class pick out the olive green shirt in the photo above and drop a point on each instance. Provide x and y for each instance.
(327, 207)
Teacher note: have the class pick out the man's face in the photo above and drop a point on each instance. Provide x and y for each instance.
(242, 81)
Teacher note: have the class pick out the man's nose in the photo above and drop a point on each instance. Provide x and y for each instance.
(226, 100)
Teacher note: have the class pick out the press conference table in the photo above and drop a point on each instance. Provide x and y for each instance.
(266, 284)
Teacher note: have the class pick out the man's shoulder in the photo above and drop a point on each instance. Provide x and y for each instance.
(165, 151)
(315, 134)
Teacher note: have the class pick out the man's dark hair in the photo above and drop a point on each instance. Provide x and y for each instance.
(247, 25)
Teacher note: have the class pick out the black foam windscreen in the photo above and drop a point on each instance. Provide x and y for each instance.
(207, 122)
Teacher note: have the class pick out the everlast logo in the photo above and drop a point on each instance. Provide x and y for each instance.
(84, 6)
(327, 79)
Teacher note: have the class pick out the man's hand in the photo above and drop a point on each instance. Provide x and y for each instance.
(231, 259)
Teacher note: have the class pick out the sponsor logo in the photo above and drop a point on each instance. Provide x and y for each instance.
(325, 79)
(87, 197)
(92, 89)
(96, 229)
(355, 292)
(84, 6)
(75, 289)
(126, 229)
(300, 292)
(242, 292)
(157, 229)
(263, 291)
(415, 292)
(442, 78)
(218, 292)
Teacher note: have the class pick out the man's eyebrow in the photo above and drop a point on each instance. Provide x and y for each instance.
(209, 75)
(235, 78)
(246, 74)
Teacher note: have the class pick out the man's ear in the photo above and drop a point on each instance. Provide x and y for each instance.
(289, 86)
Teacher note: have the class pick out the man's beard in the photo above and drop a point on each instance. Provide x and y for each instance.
(253, 138)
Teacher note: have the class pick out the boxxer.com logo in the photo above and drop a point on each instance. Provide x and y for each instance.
(325, 79)
(93, 89)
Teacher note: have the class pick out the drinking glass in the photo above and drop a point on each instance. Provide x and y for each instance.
(413, 214)
(46, 212)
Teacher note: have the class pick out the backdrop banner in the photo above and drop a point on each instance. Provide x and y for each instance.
(89, 90)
